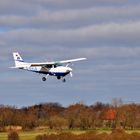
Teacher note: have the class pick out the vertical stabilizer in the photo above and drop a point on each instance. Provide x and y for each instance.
(18, 60)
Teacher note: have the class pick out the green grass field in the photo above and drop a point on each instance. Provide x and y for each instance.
(22, 135)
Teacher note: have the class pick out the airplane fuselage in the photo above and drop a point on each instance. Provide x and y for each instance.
(59, 71)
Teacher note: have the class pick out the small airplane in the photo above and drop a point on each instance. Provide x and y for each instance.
(54, 68)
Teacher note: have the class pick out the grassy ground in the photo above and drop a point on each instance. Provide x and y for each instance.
(3, 136)
(22, 135)
(31, 135)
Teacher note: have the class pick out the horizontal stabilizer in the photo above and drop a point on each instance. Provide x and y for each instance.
(16, 67)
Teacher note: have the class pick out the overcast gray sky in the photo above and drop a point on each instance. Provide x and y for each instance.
(107, 32)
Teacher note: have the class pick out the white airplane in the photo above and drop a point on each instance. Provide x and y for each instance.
(54, 68)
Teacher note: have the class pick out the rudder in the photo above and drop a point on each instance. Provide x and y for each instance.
(18, 59)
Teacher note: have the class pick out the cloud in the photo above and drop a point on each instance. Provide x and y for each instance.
(66, 4)
(28, 7)
(18, 7)
(126, 34)
(72, 18)
(112, 52)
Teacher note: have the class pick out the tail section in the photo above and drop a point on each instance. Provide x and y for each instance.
(18, 60)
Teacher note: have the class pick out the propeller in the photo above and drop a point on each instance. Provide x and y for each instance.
(67, 64)
(71, 74)
(69, 70)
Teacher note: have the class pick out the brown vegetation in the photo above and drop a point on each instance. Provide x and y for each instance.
(117, 134)
(76, 116)
(13, 135)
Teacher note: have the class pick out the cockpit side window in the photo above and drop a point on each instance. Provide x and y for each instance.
(49, 66)
(58, 64)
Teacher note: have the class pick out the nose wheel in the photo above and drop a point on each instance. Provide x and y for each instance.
(63, 80)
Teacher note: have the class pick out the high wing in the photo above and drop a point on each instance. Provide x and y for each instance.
(71, 60)
(56, 62)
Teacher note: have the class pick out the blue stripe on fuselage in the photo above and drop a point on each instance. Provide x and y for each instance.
(51, 73)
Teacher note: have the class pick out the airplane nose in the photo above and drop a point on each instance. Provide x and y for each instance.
(70, 69)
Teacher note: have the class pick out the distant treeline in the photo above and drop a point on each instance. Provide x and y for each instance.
(76, 116)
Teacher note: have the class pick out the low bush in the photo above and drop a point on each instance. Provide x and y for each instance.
(135, 136)
(13, 135)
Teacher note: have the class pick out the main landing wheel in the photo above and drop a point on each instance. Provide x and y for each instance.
(58, 77)
(43, 78)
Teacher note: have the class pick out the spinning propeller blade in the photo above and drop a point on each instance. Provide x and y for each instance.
(71, 74)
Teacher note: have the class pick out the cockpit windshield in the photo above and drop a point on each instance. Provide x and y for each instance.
(57, 65)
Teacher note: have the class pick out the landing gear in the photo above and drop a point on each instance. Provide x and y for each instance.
(58, 77)
(64, 80)
(43, 78)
